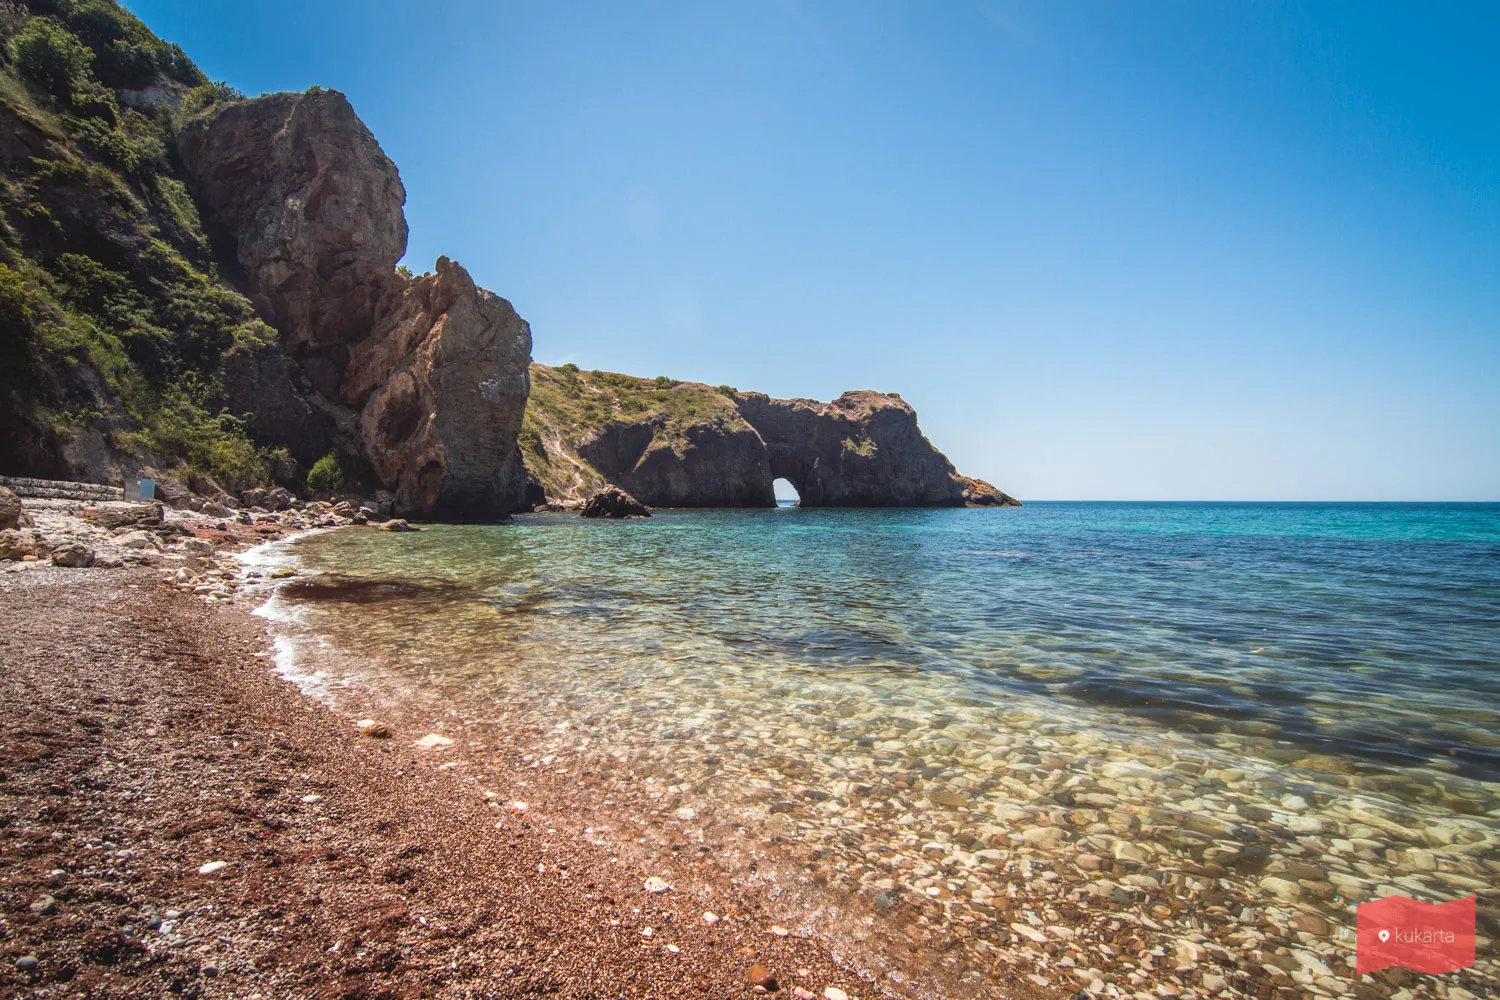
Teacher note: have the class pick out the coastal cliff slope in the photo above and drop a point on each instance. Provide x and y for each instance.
(685, 444)
(199, 284)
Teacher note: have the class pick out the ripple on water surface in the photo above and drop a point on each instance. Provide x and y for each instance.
(1062, 732)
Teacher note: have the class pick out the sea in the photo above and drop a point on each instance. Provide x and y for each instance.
(1071, 741)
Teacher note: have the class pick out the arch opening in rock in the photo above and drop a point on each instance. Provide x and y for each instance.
(786, 493)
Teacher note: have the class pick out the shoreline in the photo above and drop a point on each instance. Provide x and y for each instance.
(599, 821)
(146, 738)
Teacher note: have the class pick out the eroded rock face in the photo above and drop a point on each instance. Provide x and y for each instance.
(685, 444)
(441, 386)
(713, 463)
(426, 379)
(314, 206)
(861, 450)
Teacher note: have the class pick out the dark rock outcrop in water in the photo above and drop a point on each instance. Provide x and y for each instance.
(861, 450)
(426, 378)
(613, 502)
(684, 444)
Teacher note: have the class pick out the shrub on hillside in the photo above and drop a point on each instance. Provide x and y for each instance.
(325, 478)
(52, 56)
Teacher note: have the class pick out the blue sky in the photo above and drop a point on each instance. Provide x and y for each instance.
(1167, 250)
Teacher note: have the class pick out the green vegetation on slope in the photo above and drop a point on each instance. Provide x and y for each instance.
(115, 320)
(568, 405)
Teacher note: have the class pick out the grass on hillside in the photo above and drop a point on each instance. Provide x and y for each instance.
(111, 302)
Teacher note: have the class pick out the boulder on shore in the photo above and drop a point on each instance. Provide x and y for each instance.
(135, 515)
(614, 502)
(10, 510)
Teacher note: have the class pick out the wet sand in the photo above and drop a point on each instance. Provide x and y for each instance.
(143, 737)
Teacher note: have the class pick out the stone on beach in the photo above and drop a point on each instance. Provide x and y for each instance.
(73, 555)
(212, 867)
(657, 884)
(759, 975)
(372, 728)
(433, 741)
(834, 993)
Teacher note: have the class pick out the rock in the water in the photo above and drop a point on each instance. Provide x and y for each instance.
(864, 449)
(397, 524)
(614, 502)
(10, 510)
(74, 554)
(978, 493)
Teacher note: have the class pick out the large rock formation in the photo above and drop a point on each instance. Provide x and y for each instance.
(861, 450)
(441, 386)
(313, 205)
(425, 379)
(684, 444)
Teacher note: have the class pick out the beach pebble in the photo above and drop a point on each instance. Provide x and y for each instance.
(1124, 850)
(210, 971)
(710, 918)
(373, 729)
(779, 930)
(44, 906)
(213, 867)
(759, 975)
(517, 807)
(310, 799)
(432, 741)
(27, 963)
(657, 884)
(1089, 862)
(834, 993)
(802, 994)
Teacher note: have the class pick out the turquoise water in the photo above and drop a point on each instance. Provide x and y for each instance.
(1370, 630)
(992, 734)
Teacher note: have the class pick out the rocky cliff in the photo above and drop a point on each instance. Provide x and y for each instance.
(684, 444)
(314, 207)
(204, 285)
(424, 379)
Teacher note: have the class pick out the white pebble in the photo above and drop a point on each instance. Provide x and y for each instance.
(213, 866)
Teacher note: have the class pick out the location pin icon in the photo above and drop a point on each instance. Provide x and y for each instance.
(1384, 935)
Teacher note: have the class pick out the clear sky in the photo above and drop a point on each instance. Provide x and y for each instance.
(1165, 250)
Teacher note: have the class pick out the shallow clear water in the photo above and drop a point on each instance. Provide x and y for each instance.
(1370, 630)
(1237, 686)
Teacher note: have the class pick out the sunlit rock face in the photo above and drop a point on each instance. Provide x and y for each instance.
(424, 378)
(864, 449)
(441, 386)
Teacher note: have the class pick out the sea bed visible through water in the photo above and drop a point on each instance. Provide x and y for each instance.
(1131, 749)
